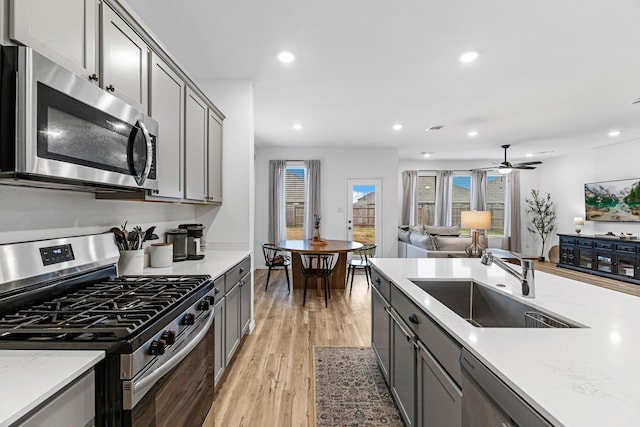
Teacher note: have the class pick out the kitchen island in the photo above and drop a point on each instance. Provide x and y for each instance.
(579, 377)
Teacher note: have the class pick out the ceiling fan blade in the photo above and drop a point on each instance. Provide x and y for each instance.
(527, 163)
(520, 167)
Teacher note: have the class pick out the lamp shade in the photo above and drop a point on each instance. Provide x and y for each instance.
(476, 220)
(578, 220)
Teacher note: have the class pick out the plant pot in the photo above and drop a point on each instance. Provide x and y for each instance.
(131, 263)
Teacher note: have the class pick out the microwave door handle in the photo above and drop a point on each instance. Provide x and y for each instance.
(147, 165)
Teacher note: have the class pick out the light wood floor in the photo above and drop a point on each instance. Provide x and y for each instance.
(271, 380)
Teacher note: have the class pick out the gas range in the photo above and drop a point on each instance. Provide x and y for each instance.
(66, 294)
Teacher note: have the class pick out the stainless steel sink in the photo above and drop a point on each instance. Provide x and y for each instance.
(484, 307)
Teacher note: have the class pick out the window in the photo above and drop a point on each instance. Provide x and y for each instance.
(294, 196)
(496, 188)
(426, 200)
(460, 199)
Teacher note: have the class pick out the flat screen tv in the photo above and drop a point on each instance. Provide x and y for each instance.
(613, 200)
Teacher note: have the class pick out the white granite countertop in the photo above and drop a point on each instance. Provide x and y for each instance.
(214, 263)
(574, 377)
(31, 377)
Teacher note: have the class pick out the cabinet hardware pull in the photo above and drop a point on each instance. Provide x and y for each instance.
(110, 88)
(93, 77)
(414, 319)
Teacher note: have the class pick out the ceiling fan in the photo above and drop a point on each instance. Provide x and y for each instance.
(506, 166)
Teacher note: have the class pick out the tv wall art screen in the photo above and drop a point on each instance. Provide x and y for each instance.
(613, 200)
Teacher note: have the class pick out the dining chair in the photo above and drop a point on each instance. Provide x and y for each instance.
(361, 260)
(274, 258)
(318, 266)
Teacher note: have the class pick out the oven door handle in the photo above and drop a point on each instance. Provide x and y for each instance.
(146, 383)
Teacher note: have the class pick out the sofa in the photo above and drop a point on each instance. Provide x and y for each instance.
(423, 241)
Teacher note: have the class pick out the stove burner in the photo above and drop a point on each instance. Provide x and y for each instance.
(107, 310)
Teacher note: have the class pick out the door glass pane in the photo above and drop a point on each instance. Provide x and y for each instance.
(364, 213)
(294, 190)
(496, 185)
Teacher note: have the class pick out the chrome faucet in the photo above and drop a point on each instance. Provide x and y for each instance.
(526, 277)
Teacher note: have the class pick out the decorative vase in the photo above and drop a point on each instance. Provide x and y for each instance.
(131, 263)
(316, 235)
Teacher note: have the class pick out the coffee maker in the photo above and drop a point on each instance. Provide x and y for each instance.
(194, 234)
(178, 237)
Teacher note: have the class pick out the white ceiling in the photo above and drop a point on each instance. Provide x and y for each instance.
(553, 75)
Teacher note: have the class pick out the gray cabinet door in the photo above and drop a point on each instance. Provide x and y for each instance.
(219, 359)
(380, 331)
(439, 398)
(167, 107)
(195, 144)
(214, 157)
(403, 370)
(245, 303)
(125, 61)
(64, 30)
(232, 322)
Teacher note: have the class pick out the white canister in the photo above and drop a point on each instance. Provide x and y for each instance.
(131, 263)
(161, 254)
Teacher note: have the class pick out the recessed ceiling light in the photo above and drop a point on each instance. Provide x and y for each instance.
(614, 133)
(467, 57)
(298, 126)
(426, 154)
(397, 126)
(286, 57)
(529, 155)
(472, 133)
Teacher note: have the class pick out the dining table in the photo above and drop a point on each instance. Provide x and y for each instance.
(338, 277)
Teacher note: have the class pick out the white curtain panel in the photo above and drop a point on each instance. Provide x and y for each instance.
(478, 190)
(312, 196)
(444, 196)
(409, 197)
(277, 209)
(512, 223)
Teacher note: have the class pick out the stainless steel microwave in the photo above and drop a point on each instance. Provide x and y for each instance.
(57, 129)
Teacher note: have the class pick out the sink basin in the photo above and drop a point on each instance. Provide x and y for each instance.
(484, 307)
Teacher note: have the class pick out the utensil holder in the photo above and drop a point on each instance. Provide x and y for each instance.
(131, 263)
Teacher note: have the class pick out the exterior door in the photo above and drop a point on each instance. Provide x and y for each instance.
(364, 218)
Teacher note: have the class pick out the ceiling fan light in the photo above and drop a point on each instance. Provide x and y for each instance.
(505, 170)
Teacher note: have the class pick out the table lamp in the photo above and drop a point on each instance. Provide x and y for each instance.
(579, 222)
(475, 220)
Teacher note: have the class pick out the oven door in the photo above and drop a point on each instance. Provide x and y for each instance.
(73, 130)
(179, 392)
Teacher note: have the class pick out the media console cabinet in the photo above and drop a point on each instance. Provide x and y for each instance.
(610, 257)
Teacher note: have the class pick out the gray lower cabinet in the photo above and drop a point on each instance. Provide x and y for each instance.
(245, 303)
(380, 331)
(439, 398)
(219, 353)
(232, 329)
(403, 370)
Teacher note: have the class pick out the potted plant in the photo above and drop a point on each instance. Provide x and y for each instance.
(542, 214)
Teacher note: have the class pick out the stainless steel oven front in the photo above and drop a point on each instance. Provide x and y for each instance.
(57, 126)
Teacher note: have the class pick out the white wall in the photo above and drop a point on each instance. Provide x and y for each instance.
(32, 214)
(233, 225)
(337, 165)
(564, 178)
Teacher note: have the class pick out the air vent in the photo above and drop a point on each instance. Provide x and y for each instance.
(434, 128)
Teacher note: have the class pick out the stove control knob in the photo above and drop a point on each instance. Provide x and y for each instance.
(157, 347)
(189, 319)
(204, 305)
(169, 337)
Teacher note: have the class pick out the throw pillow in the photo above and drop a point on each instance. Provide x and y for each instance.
(442, 231)
(423, 241)
(403, 235)
(450, 243)
(417, 229)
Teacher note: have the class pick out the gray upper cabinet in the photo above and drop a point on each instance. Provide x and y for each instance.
(195, 147)
(214, 156)
(125, 59)
(64, 30)
(167, 107)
